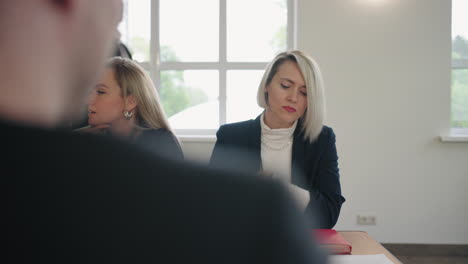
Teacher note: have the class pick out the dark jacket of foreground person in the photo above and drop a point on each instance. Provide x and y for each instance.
(125, 205)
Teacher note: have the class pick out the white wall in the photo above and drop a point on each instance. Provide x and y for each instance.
(386, 65)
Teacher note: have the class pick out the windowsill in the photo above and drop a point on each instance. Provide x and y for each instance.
(456, 135)
(212, 138)
(454, 138)
(198, 138)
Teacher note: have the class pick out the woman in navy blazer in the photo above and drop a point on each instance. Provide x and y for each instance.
(288, 141)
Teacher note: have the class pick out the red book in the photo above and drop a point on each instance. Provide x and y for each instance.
(332, 241)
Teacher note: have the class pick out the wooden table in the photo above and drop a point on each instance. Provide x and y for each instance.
(363, 244)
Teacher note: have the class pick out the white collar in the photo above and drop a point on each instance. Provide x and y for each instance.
(276, 133)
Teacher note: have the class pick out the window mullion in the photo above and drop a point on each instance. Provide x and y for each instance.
(222, 60)
(291, 24)
(154, 44)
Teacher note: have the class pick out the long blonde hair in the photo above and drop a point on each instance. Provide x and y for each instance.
(133, 80)
(312, 120)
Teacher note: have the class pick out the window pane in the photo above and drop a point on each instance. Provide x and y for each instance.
(190, 98)
(135, 28)
(460, 98)
(189, 30)
(459, 29)
(460, 55)
(242, 87)
(256, 30)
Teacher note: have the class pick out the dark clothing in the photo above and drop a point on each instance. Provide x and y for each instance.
(160, 141)
(122, 51)
(314, 165)
(74, 198)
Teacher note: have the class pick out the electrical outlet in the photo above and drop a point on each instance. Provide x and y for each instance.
(366, 219)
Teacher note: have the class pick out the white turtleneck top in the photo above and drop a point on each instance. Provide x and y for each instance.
(276, 154)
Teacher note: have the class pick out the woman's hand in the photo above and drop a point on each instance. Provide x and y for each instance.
(99, 129)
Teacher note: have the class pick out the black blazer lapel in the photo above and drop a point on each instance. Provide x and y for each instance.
(298, 159)
(254, 141)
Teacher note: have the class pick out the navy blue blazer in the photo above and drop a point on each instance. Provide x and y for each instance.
(314, 165)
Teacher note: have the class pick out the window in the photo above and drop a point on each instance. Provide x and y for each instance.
(207, 56)
(459, 118)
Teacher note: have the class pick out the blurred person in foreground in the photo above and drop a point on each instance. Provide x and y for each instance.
(118, 204)
(125, 104)
(288, 141)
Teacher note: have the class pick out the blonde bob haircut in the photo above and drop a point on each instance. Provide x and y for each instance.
(311, 122)
(133, 80)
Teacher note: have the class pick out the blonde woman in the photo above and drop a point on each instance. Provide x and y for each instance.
(124, 103)
(288, 141)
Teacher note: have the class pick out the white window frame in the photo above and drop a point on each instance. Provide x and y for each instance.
(155, 66)
(456, 134)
